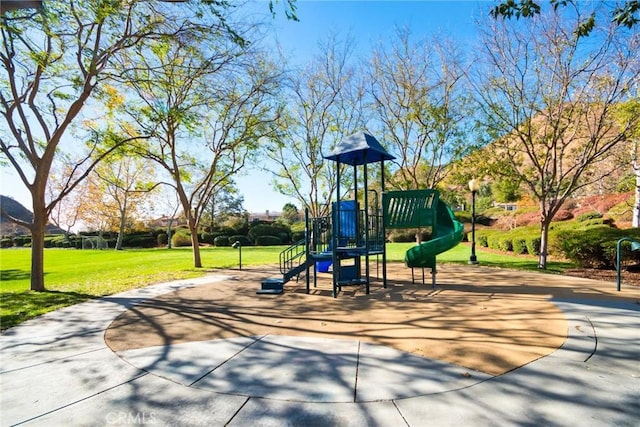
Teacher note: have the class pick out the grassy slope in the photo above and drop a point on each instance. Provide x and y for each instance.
(72, 276)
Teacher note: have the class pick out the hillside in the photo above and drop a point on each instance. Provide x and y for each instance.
(9, 207)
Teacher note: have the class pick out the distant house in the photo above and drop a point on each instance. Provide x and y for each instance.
(267, 215)
(512, 206)
(163, 221)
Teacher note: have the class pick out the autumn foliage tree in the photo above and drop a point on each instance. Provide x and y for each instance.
(549, 97)
(124, 181)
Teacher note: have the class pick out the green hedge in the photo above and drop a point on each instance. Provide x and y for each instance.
(588, 243)
(268, 241)
(207, 237)
(522, 240)
(221, 240)
(140, 240)
(279, 230)
(408, 236)
(596, 247)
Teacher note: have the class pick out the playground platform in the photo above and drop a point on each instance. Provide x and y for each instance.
(184, 353)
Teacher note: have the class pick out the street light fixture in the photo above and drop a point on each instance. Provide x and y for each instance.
(238, 245)
(474, 186)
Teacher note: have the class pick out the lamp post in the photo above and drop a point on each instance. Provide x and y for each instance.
(474, 186)
(238, 245)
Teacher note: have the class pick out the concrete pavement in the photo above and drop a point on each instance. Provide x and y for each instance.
(57, 370)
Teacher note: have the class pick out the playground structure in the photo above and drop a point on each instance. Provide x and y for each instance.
(353, 232)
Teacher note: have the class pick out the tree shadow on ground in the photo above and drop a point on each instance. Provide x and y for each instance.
(16, 307)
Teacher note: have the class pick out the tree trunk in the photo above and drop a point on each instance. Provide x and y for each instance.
(544, 243)
(37, 245)
(123, 221)
(197, 262)
(169, 233)
(636, 206)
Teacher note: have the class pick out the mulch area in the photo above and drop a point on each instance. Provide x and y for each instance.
(627, 277)
(482, 318)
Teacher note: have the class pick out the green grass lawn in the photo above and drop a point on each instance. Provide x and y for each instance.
(73, 276)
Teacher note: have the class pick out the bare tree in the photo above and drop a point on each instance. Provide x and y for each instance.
(206, 102)
(417, 94)
(549, 96)
(325, 103)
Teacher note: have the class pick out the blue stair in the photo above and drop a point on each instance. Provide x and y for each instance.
(292, 263)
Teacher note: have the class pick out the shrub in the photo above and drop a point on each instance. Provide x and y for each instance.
(258, 230)
(221, 241)
(206, 237)
(492, 241)
(533, 245)
(285, 238)
(528, 218)
(181, 237)
(519, 245)
(6, 243)
(580, 247)
(268, 241)
(269, 230)
(145, 240)
(19, 241)
(162, 239)
(223, 231)
(596, 247)
(244, 240)
(481, 239)
(407, 236)
(587, 216)
(504, 243)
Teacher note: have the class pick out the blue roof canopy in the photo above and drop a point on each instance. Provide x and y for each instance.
(358, 149)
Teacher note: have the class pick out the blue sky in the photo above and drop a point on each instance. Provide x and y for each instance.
(368, 22)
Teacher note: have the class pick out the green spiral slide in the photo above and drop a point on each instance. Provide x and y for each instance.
(418, 209)
(447, 233)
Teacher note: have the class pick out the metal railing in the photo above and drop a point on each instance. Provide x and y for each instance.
(291, 257)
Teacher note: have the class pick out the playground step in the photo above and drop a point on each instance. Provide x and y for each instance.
(352, 282)
(269, 291)
(272, 285)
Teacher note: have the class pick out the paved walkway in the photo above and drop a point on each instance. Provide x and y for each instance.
(57, 370)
